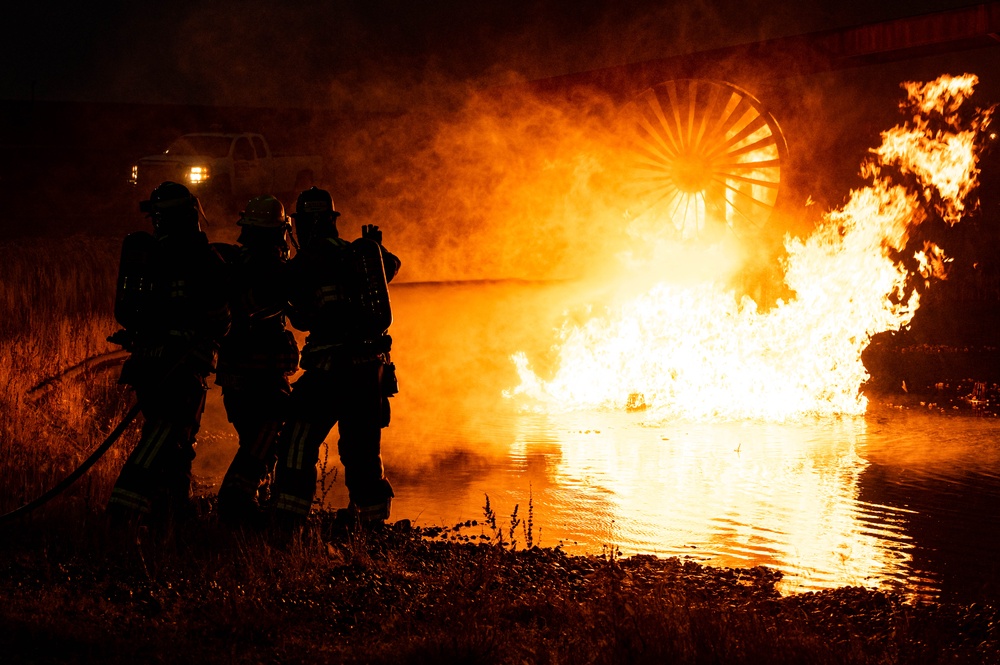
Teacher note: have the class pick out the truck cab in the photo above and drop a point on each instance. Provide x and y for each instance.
(229, 168)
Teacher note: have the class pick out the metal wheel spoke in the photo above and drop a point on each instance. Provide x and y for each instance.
(670, 192)
(749, 220)
(753, 126)
(704, 154)
(734, 117)
(742, 166)
(661, 123)
(676, 109)
(751, 181)
(664, 139)
(748, 197)
(667, 155)
(761, 145)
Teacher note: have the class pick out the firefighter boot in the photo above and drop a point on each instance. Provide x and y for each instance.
(240, 510)
(238, 506)
(374, 507)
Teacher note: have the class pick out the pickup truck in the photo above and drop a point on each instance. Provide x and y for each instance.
(227, 168)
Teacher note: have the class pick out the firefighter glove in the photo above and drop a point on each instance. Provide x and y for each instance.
(371, 232)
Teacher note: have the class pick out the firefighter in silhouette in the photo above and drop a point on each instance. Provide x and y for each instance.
(338, 293)
(171, 302)
(258, 355)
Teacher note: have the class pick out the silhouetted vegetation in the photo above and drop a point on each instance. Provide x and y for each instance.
(201, 593)
(57, 401)
(71, 591)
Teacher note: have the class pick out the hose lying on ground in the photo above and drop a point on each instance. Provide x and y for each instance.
(79, 471)
(91, 364)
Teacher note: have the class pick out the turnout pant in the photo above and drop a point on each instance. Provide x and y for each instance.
(156, 477)
(257, 409)
(350, 396)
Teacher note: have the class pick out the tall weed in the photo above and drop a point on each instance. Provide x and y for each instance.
(509, 539)
(58, 297)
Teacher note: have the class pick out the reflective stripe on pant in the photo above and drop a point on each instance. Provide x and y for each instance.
(257, 411)
(157, 474)
(349, 396)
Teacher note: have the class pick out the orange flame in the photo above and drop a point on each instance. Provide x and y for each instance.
(700, 352)
(932, 262)
(943, 159)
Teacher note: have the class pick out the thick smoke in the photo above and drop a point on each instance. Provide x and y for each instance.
(504, 186)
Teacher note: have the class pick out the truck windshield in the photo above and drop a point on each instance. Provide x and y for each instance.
(209, 146)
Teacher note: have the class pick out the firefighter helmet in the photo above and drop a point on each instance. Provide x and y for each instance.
(168, 197)
(314, 201)
(172, 206)
(314, 215)
(264, 212)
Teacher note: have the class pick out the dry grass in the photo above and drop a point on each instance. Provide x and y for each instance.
(205, 594)
(59, 298)
(42, 281)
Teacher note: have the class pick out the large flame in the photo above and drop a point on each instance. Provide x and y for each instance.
(699, 351)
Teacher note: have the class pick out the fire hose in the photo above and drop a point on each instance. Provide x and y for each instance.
(95, 362)
(79, 471)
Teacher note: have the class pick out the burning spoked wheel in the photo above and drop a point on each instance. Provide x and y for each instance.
(707, 157)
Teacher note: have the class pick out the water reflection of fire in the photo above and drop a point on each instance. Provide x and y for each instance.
(698, 351)
(736, 494)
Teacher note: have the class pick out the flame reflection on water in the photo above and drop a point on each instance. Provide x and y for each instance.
(820, 501)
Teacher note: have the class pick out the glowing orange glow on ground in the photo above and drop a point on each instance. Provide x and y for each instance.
(698, 351)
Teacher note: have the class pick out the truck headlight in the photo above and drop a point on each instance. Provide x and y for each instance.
(198, 175)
